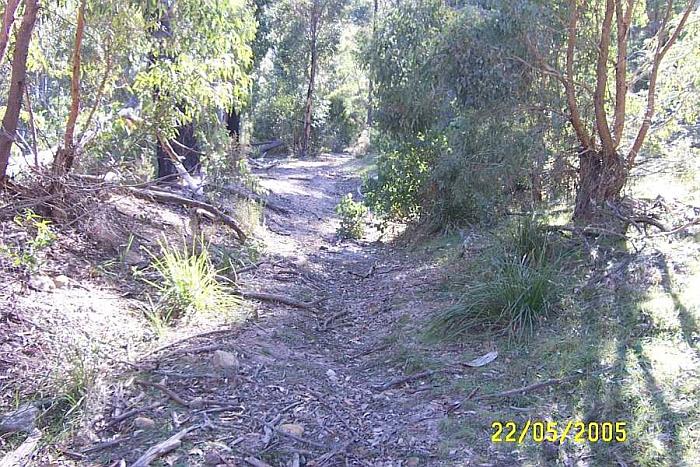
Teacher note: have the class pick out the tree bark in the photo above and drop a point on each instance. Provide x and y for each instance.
(65, 156)
(17, 83)
(308, 110)
(7, 20)
(233, 125)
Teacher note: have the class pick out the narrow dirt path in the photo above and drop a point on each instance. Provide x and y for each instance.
(310, 386)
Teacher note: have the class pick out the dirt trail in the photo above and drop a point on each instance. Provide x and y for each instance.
(320, 370)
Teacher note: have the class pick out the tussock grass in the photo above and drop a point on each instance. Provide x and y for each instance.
(187, 282)
(516, 285)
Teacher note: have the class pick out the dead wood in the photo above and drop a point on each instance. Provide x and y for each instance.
(536, 386)
(332, 318)
(173, 198)
(162, 448)
(105, 444)
(130, 413)
(20, 456)
(167, 391)
(268, 297)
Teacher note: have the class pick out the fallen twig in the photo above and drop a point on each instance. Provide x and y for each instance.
(130, 413)
(536, 386)
(20, 456)
(105, 444)
(268, 297)
(162, 448)
(167, 391)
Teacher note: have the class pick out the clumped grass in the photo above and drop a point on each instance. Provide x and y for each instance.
(187, 282)
(515, 287)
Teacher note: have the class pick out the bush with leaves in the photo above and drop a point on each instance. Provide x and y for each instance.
(352, 216)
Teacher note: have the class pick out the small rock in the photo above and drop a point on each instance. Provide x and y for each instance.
(144, 423)
(332, 375)
(226, 362)
(41, 283)
(292, 428)
(212, 458)
(412, 462)
(197, 403)
(61, 281)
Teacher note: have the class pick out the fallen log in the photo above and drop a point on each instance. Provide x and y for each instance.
(177, 199)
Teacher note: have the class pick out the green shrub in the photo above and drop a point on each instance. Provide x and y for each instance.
(403, 171)
(187, 282)
(352, 216)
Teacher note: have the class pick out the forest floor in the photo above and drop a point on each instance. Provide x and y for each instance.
(347, 378)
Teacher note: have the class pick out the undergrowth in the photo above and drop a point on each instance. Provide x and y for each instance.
(515, 284)
(187, 282)
(352, 215)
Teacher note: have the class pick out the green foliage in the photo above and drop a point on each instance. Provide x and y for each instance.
(280, 90)
(187, 282)
(29, 254)
(403, 171)
(352, 216)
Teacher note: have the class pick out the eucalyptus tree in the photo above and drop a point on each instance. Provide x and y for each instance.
(591, 61)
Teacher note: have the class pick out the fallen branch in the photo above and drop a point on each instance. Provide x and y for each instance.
(20, 456)
(536, 386)
(162, 448)
(167, 391)
(130, 413)
(173, 198)
(268, 297)
(332, 318)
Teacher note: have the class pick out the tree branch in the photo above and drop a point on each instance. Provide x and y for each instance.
(601, 118)
(661, 49)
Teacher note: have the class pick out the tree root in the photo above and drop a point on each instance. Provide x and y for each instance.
(173, 198)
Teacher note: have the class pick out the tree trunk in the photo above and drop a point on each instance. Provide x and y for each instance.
(370, 90)
(185, 147)
(233, 125)
(7, 20)
(17, 83)
(601, 179)
(306, 134)
(65, 156)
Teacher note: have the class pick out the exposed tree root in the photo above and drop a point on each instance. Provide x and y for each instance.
(173, 198)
